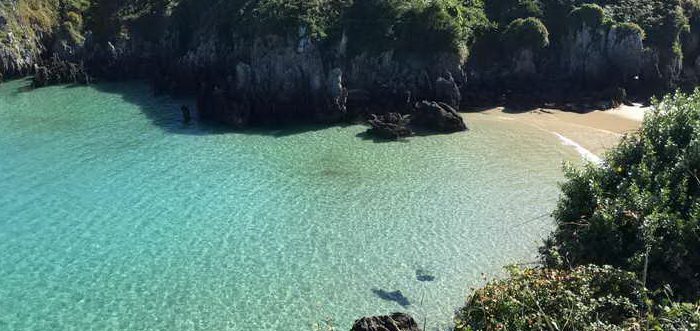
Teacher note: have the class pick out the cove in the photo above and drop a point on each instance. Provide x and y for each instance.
(116, 216)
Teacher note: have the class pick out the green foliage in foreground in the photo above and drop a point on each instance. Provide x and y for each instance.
(586, 298)
(642, 206)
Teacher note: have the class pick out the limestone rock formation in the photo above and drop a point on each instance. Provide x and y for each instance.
(604, 55)
(447, 91)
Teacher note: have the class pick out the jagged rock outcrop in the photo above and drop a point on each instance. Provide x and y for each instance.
(58, 71)
(393, 322)
(425, 117)
(390, 126)
(439, 117)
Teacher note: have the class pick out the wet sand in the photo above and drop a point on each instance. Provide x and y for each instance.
(591, 133)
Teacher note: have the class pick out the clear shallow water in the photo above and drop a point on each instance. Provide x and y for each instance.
(114, 216)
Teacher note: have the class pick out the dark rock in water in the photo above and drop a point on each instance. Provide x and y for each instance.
(438, 116)
(393, 322)
(186, 114)
(424, 276)
(389, 126)
(395, 296)
(41, 77)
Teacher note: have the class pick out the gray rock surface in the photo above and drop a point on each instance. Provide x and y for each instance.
(393, 322)
(438, 116)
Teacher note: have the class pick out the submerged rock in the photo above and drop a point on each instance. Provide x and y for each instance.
(393, 322)
(439, 117)
(424, 276)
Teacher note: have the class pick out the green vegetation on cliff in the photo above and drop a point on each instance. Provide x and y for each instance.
(526, 33)
(480, 28)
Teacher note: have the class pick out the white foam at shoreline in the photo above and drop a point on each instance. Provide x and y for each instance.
(586, 154)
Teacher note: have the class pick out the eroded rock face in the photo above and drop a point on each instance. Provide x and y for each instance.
(605, 55)
(447, 91)
(393, 322)
(625, 51)
(395, 83)
(274, 80)
(584, 57)
(524, 63)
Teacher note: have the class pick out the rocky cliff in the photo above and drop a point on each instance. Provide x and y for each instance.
(245, 70)
(22, 41)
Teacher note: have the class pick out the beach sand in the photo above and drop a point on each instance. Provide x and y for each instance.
(590, 133)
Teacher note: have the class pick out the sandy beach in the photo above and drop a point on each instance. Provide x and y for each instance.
(590, 133)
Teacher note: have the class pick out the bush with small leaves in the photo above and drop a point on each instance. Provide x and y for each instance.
(526, 33)
(640, 209)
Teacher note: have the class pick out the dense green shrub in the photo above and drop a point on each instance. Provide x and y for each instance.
(505, 11)
(587, 298)
(438, 26)
(630, 29)
(588, 15)
(281, 16)
(368, 25)
(371, 24)
(641, 208)
(526, 33)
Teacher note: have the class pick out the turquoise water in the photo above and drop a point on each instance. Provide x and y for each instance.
(115, 216)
